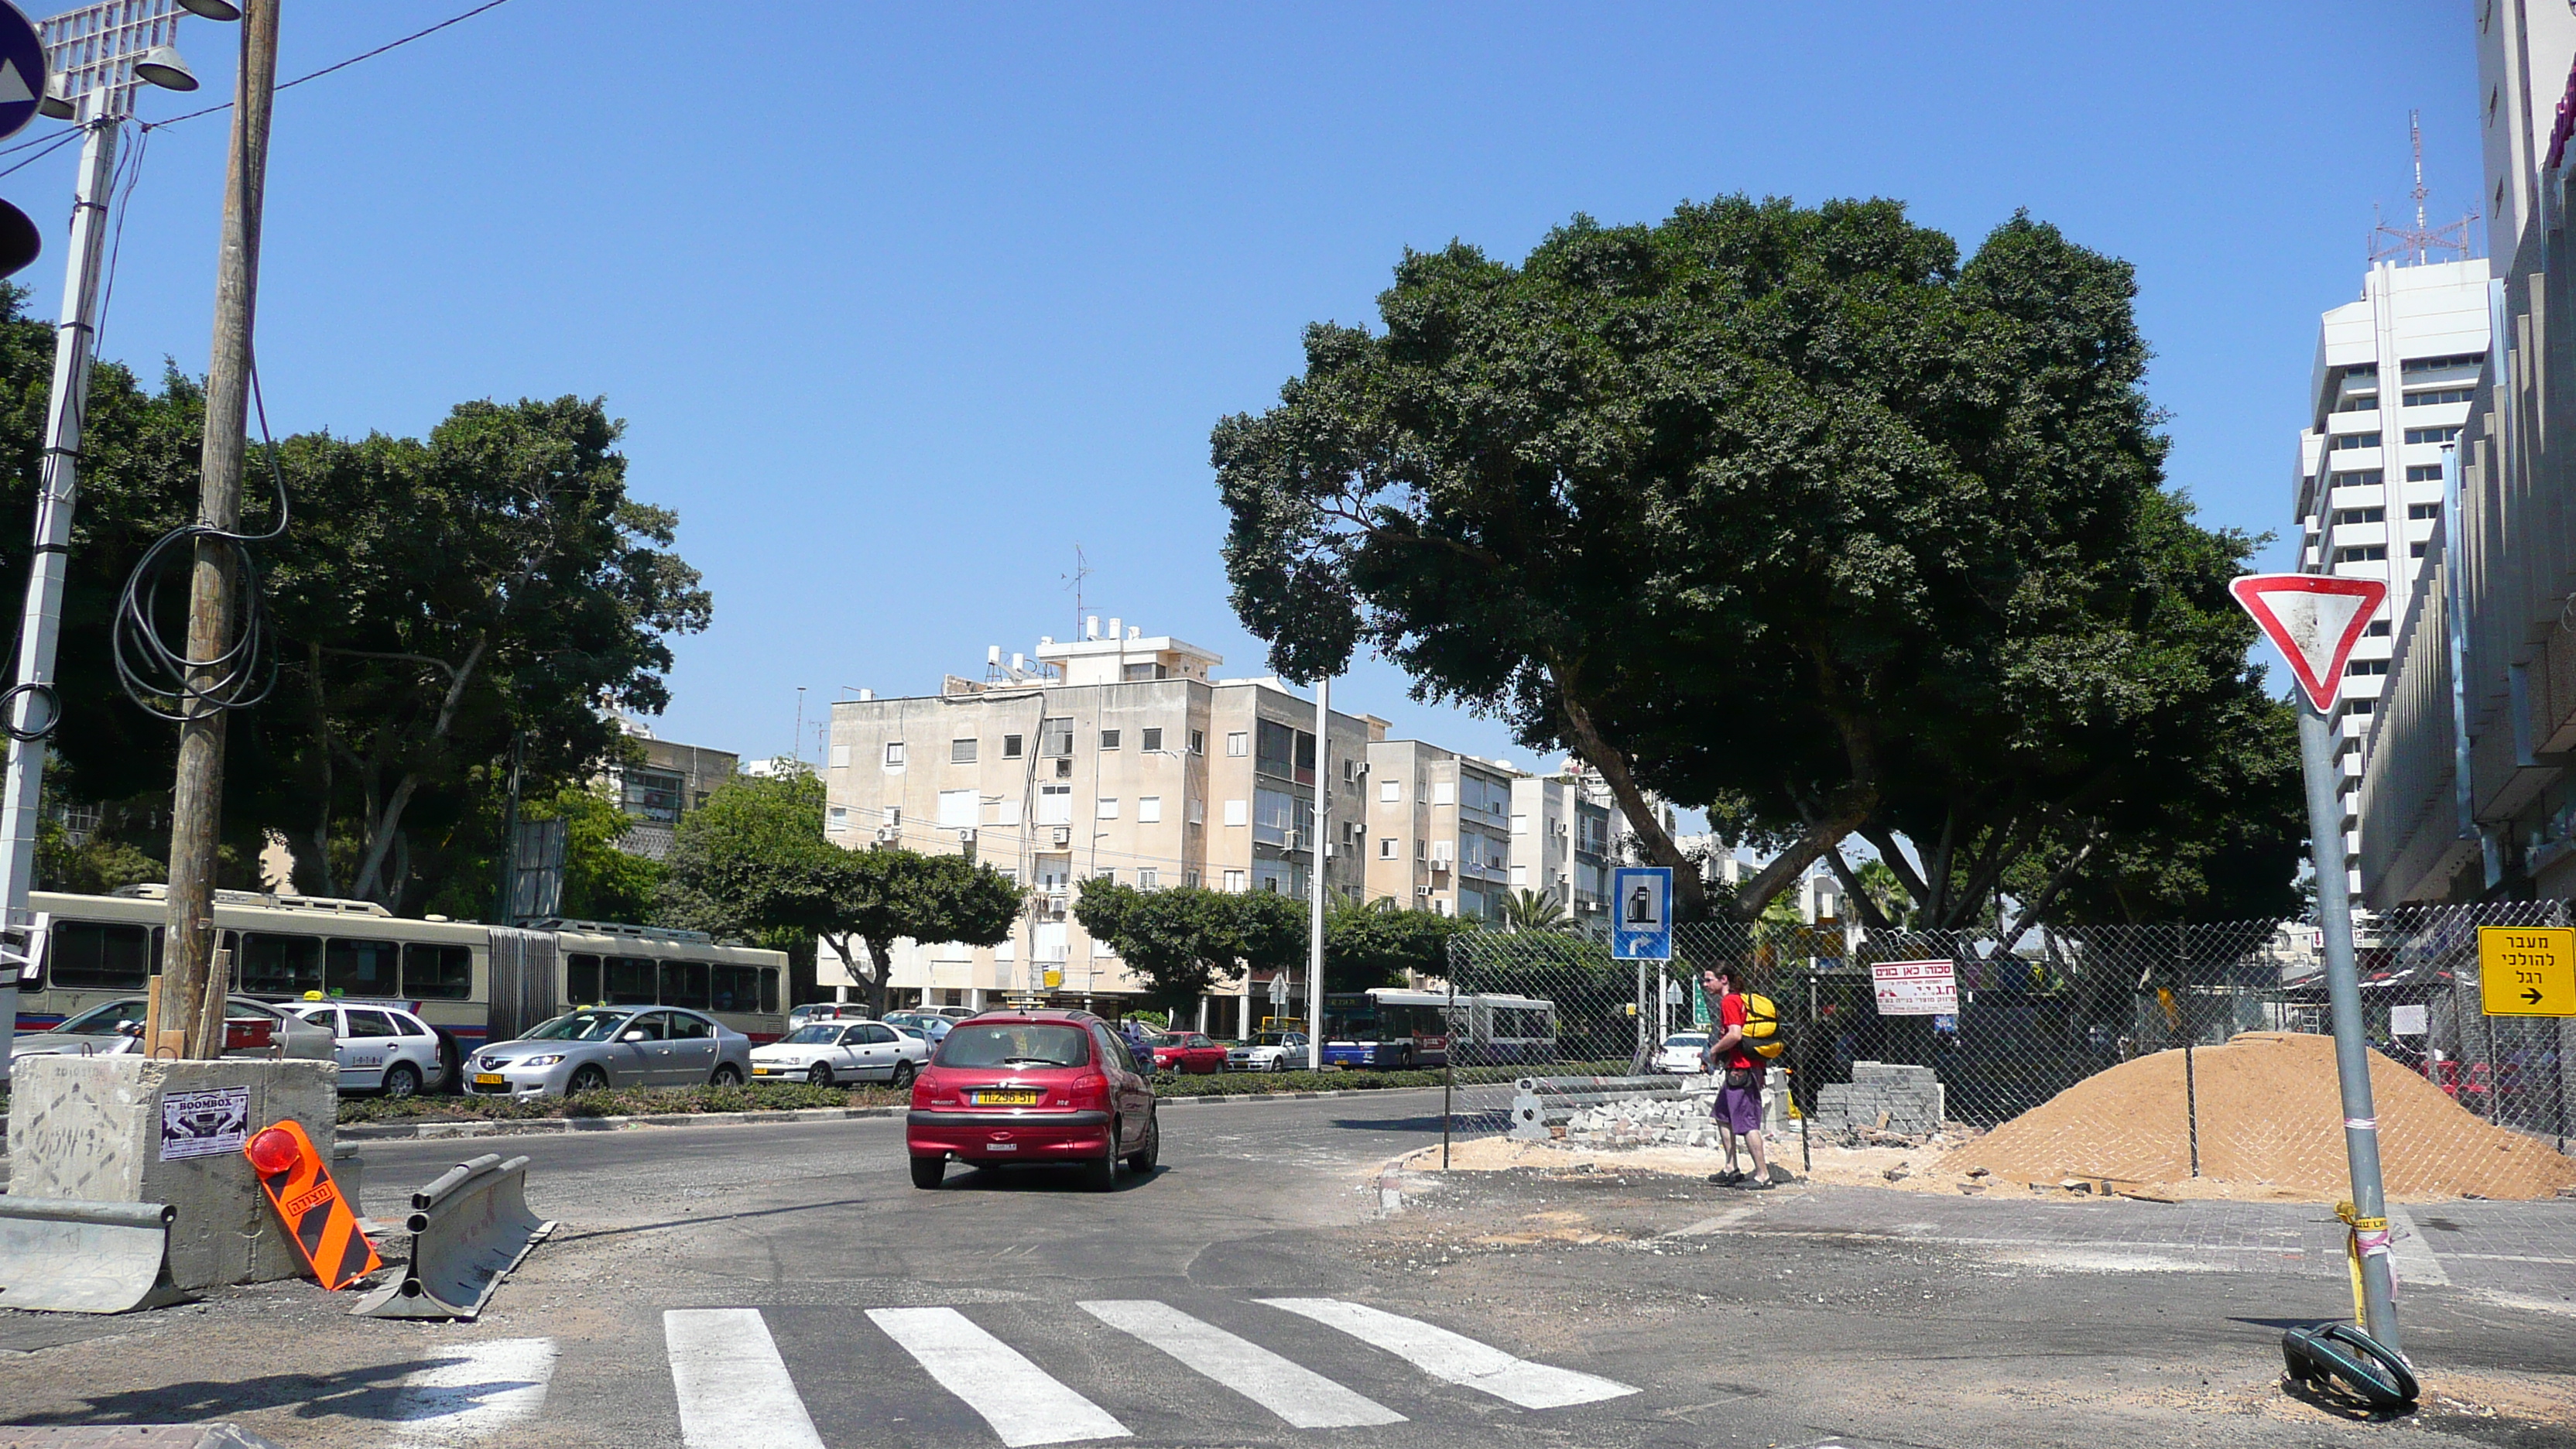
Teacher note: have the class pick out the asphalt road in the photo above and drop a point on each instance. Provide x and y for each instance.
(787, 1286)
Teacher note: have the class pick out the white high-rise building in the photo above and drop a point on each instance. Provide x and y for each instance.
(2395, 373)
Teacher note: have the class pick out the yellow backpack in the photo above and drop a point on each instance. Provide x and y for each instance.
(1762, 1027)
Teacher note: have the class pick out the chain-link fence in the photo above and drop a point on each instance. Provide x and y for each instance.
(2155, 1053)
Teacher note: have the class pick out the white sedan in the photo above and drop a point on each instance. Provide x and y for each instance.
(825, 1052)
(1681, 1053)
(1272, 1051)
(381, 1048)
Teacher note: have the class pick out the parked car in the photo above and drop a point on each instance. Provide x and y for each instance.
(598, 1047)
(929, 1023)
(825, 1052)
(1033, 1086)
(957, 1013)
(251, 1029)
(381, 1047)
(1272, 1051)
(1681, 1053)
(827, 1011)
(1187, 1051)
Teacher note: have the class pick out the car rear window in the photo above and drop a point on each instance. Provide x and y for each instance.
(1016, 1044)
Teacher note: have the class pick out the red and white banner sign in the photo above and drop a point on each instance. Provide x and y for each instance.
(1915, 988)
(2314, 620)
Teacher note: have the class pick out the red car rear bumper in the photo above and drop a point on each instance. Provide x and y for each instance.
(984, 1136)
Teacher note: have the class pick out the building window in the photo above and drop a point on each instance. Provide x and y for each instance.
(1064, 768)
(2423, 472)
(1153, 739)
(839, 820)
(2361, 667)
(1147, 880)
(840, 757)
(2416, 549)
(1444, 793)
(2361, 553)
(1109, 739)
(2418, 512)
(1520, 875)
(1198, 742)
(961, 752)
(1055, 738)
(1238, 812)
(652, 794)
(1011, 747)
(2356, 478)
(2360, 402)
(1237, 745)
(1149, 809)
(2440, 396)
(2341, 441)
(1274, 817)
(2437, 364)
(1055, 804)
(894, 754)
(957, 809)
(1389, 792)
(2360, 515)
(1234, 881)
(2433, 435)
(2379, 629)
(1275, 750)
(1386, 847)
(1108, 808)
(1190, 878)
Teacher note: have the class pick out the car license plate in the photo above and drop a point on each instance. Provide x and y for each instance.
(762, 1071)
(490, 1079)
(1008, 1099)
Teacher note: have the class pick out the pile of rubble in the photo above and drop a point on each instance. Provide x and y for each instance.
(1681, 1121)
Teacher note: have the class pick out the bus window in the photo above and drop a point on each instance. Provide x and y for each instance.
(273, 965)
(769, 989)
(97, 954)
(440, 973)
(359, 968)
(581, 978)
(735, 988)
(684, 983)
(633, 981)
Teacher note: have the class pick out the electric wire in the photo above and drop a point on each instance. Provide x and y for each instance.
(341, 65)
(58, 143)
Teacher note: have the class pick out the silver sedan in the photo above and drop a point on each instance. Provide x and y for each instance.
(599, 1047)
(117, 1027)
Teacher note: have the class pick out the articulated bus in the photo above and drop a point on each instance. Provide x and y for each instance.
(471, 983)
(1392, 1028)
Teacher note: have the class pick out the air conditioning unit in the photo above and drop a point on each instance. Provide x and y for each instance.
(1063, 835)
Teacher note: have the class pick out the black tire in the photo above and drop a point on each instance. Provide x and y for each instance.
(726, 1075)
(451, 1065)
(592, 1078)
(902, 1078)
(1100, 1174)
(819, 1074)
(401, 1080)
(1141, 1161)
(927, 1171)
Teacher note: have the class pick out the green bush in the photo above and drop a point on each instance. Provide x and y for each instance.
(626, 1102)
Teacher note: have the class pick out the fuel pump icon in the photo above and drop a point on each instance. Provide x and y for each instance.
(1641, 907)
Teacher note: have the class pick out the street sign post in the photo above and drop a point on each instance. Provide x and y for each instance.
(1641, 928)
(2527, 970)
(2315, 620)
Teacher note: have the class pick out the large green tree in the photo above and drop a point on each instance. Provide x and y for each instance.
(1378, 945)
(1182, 942)
(1787, 513)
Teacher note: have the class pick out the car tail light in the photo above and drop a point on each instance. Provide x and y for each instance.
(1091, 1091)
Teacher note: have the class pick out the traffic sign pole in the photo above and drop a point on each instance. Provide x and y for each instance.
(2369, 1216)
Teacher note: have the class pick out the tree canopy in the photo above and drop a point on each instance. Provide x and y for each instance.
(1791, 514)
(1378, 945)
(1182, 942)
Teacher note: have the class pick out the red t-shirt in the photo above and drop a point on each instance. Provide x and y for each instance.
(1730, 1012)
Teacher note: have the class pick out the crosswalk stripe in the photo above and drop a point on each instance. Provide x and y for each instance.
(1306, 1399)
(481, 1389)
(734, 1389)
(1021, 1402)
(1456, 1357)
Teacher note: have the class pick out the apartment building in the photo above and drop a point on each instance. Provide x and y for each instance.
(1438, 826)
(2390, 391)
(1112, 755)
(2469, 795)
(1561, 844)
(667, 782)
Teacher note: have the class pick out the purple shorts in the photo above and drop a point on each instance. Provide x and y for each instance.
(1740, 1108)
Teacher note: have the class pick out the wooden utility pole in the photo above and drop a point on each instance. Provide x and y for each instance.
(195, 981)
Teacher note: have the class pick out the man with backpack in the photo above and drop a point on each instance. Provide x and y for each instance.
(1739, 1094)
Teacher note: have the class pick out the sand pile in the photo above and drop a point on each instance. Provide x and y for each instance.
(2269, 1116)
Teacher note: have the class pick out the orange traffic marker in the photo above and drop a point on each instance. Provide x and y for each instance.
(299, 1186)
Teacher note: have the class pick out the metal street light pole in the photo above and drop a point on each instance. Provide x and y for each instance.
(1315, 887)
(196, 806)
(90, 53)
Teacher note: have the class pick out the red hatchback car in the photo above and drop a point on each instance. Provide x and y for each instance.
(1188, 1051)
(1032, 1086)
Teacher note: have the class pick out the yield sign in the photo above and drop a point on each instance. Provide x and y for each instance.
(2314, 620)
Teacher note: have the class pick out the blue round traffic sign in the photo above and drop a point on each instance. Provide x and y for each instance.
(22, 70)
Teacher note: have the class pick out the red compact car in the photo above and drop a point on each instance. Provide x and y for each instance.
(1014, 1087)
(1187, 1051)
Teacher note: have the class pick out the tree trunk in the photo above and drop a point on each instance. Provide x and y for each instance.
(1690, 893)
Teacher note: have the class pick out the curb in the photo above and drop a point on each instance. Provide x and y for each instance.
(536, 1126)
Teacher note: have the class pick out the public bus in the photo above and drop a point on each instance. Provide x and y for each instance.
(1393, 1028)
(471, 983)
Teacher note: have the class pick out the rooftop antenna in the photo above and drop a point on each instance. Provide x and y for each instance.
(2414, 246)
(1081, 571)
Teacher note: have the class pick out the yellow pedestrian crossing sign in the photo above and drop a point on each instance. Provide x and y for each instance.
(2527, 970)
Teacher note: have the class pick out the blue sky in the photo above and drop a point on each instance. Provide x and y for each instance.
(902, 303)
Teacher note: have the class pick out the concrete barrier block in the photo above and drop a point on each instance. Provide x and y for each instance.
(95, 1128)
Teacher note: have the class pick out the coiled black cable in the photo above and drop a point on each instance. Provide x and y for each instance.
(164, 681)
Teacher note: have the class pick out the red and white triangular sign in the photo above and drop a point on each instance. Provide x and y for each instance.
(2314, 620)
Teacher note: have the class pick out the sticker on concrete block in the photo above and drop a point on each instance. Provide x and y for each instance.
(202, 1124)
